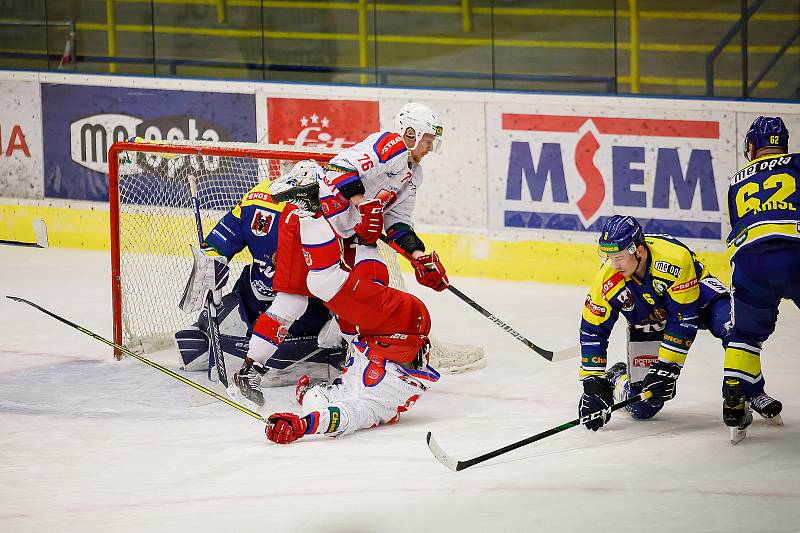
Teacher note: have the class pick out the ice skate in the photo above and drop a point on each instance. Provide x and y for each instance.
(768, 408)
(736, 412)
(616, 371)
(247, 382)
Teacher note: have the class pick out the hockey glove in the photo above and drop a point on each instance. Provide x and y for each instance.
(598, 395)
(284, 428)
(371, 225)
(660, 380)
(430, 272)
(209, 274)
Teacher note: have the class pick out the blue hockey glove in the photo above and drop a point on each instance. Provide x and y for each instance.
(661, 380)
(598, 394)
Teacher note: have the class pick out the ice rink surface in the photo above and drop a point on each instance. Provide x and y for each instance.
(90, 444)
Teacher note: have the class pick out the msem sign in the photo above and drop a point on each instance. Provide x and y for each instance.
(571, 172)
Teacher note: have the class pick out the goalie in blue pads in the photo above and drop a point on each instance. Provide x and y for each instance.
(313, 345)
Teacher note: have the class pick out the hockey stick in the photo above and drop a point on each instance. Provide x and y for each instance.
(215, 350)
(144, 360)
(455, 465)
(560, 355)
(39, 229)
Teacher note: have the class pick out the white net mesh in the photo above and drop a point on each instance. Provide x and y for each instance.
(157, 225)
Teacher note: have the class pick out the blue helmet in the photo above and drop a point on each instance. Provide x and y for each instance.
(766, 131)
(620, 233)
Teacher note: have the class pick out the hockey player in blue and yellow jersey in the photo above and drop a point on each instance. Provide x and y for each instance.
(764, 246)
(666, 295)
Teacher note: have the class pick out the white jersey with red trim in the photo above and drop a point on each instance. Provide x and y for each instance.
(370, 392)
(381, 162)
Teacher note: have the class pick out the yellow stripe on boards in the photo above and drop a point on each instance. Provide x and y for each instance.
(66, 227)
(469, 255)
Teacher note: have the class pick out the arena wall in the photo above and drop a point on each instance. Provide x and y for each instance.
(520, 190)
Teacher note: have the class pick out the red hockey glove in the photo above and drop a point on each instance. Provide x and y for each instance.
(371, 225)
(284, 428)
(430, 272)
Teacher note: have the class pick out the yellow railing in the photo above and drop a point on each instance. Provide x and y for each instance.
(465, 10)
(112, 34)
(634, 16)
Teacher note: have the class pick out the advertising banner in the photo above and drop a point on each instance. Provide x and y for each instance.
(570, 168)
(334, 124)
(82, 122)
(20, 140)
(331, 125)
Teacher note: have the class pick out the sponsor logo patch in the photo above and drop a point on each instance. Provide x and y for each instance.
(612, 282)
(388, 146)
(597, 310)
(258, 195)
(684, 286)
(644, 361)
(667, 268)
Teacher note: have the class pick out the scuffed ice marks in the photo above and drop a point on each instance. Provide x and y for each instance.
(98, 389)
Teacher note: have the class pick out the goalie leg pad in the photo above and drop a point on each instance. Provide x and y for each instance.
(192, 348)
(209, 275)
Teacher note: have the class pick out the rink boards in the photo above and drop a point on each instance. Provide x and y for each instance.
(520, 190)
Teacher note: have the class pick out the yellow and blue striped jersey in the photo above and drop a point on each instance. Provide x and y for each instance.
(763, 201)
(668, 298)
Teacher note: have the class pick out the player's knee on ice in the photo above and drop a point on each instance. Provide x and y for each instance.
(624, 389)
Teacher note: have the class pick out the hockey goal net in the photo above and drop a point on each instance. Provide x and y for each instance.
(153, 224)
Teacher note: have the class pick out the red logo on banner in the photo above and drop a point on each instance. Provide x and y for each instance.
(330, 124)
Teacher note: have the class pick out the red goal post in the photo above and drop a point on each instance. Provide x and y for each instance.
(152, 224)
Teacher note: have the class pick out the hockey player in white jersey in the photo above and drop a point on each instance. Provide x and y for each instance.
(371, 187)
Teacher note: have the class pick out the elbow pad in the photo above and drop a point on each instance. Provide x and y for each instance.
(404, 236)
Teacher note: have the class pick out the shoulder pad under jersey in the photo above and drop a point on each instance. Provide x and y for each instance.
(260, 195)
(388, 146)
(669, 257)
(612, 284)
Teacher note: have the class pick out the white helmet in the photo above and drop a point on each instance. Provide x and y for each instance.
(422, 120)
(304, 172)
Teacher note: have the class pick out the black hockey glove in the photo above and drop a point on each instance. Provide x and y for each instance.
(598, 395)
(660, 380)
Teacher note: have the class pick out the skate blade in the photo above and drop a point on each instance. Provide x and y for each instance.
(775, 420)
(738, 435)
(236, 395)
